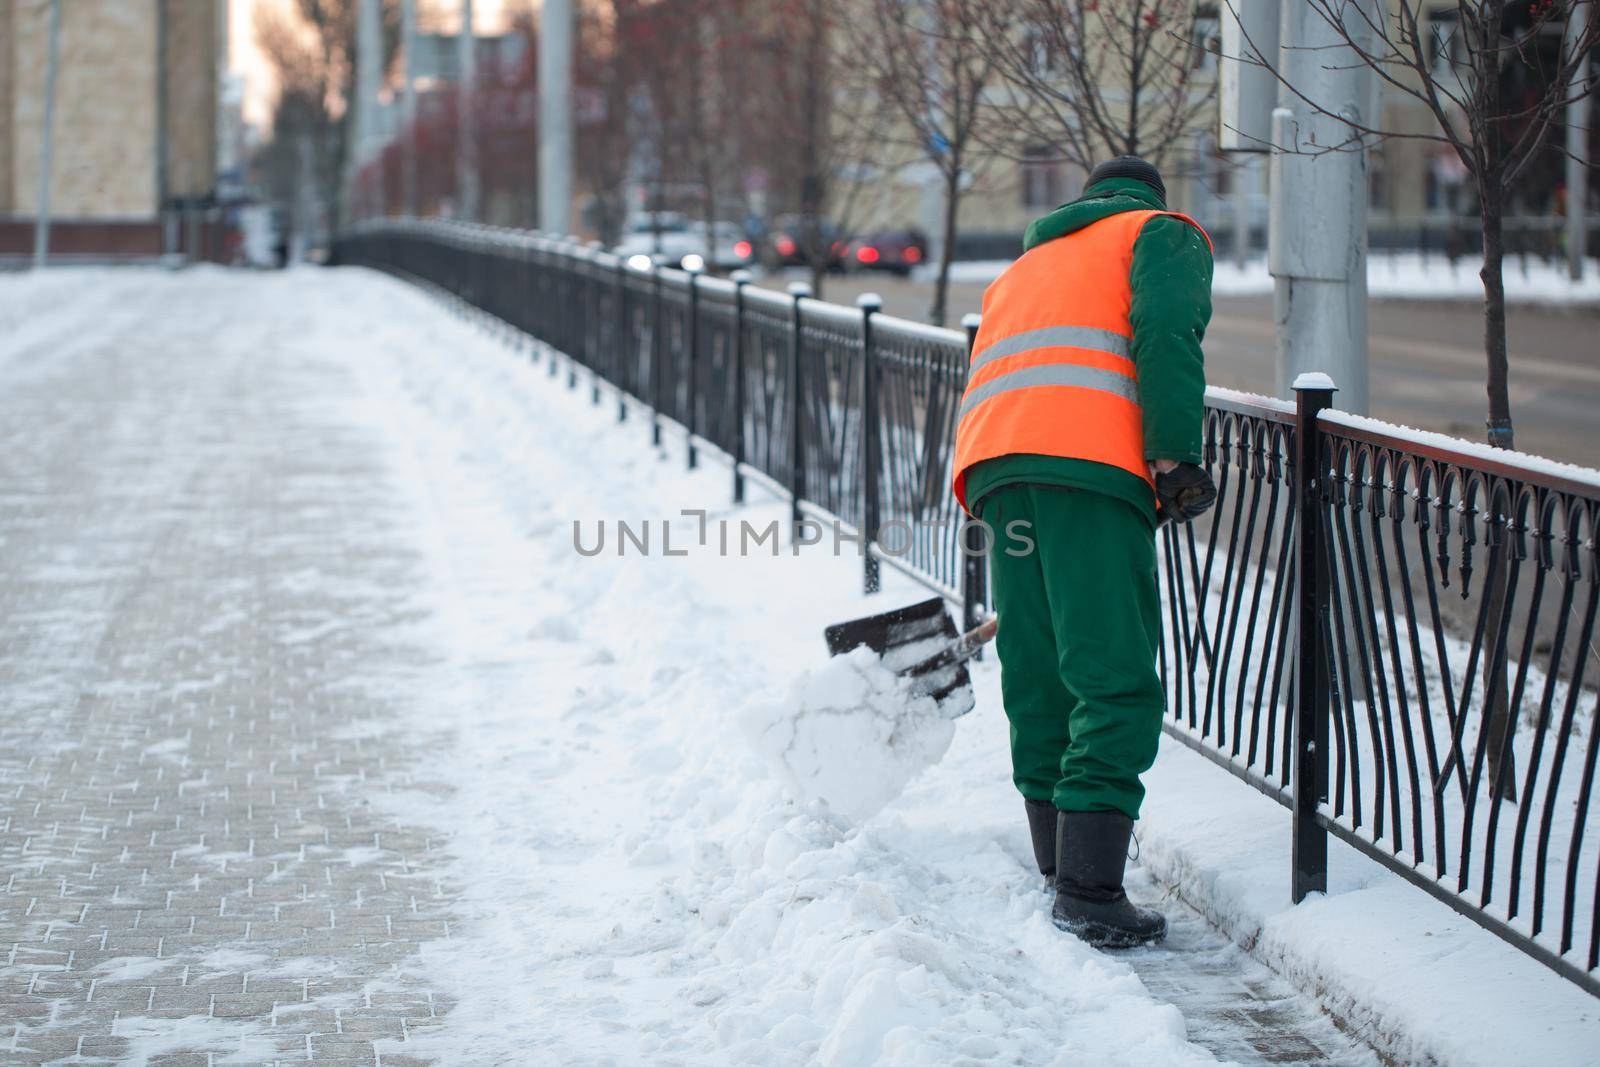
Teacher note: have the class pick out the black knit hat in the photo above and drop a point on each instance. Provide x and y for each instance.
(1130, 167)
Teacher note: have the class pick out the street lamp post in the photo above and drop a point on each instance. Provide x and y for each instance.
(466, 132)
(41, 221)
(555, 117)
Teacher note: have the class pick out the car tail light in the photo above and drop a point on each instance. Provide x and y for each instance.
(785, 246)
(867, 254)
(912, 254)
(742, 249)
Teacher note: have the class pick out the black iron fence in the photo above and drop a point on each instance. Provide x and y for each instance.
(1413, 671)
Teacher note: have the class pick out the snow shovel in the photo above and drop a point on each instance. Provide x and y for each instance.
(920, 642)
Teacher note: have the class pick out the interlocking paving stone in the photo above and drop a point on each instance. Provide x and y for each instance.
(200, 562)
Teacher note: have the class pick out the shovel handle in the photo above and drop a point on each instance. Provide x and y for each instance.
(968, 643)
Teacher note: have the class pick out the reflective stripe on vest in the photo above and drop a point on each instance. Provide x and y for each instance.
(1073, 374)
(1051, 371)
(1051, 337)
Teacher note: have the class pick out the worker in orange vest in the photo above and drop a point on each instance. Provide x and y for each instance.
(1079, 432)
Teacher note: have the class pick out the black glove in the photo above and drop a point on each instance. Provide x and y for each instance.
(1185, 492)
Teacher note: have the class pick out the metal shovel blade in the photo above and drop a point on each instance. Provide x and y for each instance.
(913, 642)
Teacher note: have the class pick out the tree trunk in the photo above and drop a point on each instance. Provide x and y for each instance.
(1499, 722)
(947, 245)
(1494, 313)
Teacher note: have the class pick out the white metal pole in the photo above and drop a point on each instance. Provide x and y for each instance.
(408, 107)
(41, 221)
(369, 76)
(466, 131)
(555, 117)
(1317, 232)
(1244, 170)
(1578, 112)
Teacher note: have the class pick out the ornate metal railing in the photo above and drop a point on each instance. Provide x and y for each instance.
(1412, 670)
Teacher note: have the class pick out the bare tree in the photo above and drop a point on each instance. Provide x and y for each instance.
(933, 64)
(664, 37)
(311, 44)
(822, 141)
(1496, 78)
(605, 73)
(1089, 79)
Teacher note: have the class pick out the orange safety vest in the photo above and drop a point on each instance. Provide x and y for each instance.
(1051, 371)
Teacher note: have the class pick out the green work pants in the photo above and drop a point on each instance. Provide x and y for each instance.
(1080, 622)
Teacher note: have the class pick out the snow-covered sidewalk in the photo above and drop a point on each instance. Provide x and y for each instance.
(313, 705)
(636, 879)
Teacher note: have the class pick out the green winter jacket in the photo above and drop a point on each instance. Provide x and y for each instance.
(1171, 282)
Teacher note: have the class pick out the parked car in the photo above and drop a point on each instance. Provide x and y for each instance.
(671, 240)
(891, 250)
(664, 236)
(729, 247)
(786, 248)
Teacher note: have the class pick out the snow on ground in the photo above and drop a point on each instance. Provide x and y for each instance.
(917, 934)
(1416, 979)
(1397, 276)
(635, 879)
(962, 884)
(638, 883)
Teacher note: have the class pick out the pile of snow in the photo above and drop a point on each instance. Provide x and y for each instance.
(851, 735)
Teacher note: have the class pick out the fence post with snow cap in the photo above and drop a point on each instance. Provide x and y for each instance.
(798, 291)
(740, 279)
(658, 351)
(572, 300)
(871, 420)
(692, 358)
(1312, 680)
(595, 331)
(974, 551)
(622, 339)
(553, 300)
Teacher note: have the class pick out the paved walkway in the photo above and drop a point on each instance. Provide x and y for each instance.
(191, 557)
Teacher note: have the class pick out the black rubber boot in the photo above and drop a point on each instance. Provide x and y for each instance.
(1091, 854)
(1042, 817)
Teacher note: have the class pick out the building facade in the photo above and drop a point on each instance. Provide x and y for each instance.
(135, 121)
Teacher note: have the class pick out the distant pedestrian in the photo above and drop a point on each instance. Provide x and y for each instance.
(1082, 423)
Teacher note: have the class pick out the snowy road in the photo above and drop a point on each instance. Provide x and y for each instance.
(319, 739)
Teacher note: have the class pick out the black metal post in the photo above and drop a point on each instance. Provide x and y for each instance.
(870, 304)
(574, 305)
(657, 350)
(624, 340)
(974, 561)
(798, 291)
(692, 455)
(741, 278)
(552, 299)
(1313, 393)
(596, 323)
